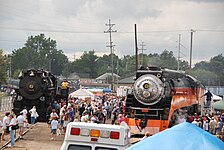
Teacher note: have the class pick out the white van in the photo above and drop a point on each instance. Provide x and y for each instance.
(92, 136)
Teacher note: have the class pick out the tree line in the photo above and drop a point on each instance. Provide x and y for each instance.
(40, 52)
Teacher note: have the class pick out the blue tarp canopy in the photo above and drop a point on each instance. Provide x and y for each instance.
(184, 136)
(106, 90)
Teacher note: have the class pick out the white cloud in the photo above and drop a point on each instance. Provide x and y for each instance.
(78, 25)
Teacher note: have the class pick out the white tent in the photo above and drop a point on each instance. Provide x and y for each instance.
(216, 97)
(82, 94)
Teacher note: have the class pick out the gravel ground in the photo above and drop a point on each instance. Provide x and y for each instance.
(38, 138)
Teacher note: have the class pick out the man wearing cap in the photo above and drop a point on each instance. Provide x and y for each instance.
(12, 131)
(212, 126)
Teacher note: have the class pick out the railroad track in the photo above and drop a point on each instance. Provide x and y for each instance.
(16, 139)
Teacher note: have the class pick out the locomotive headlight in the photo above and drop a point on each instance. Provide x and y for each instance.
(146, 94)
(146, 86)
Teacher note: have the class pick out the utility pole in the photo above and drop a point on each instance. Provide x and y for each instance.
(136, 49)
(10, 69)
(110, 25)
(192, 31)
(178, 57)
(142, 45)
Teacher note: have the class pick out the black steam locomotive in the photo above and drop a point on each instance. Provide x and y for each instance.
(36, 88)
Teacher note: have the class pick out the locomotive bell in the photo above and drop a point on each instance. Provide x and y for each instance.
(148, 89)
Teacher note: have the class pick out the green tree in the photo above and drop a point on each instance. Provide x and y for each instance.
(103, 64)
(206, 77)
(216, 67)
(3, 68)
(127, 66)
(39, 53)
(167, 60)
(87, 64)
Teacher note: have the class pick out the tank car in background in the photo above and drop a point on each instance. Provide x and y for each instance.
(156, 96)
(36, 88)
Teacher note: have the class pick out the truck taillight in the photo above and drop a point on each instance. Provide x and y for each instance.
(114, 135)
(75, 131)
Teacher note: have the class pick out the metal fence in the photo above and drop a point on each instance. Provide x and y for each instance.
(5, 103)
(218, 90)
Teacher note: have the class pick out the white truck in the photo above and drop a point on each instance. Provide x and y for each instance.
(92, 136)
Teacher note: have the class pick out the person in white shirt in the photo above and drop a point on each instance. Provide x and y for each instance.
(53, 114)
(5, 124)
(21, 120)
(25, 112)
(34, 115)
(54, 127)
(85, 117)
(12, 131)
(195, 122)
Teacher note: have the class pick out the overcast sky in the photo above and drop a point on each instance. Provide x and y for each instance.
(79, 25)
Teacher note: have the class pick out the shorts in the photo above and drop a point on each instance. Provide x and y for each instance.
(54, 131)
(21, 127)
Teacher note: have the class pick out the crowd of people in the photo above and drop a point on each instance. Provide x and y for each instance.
(106, 109)
(213, 123)
(11, 123)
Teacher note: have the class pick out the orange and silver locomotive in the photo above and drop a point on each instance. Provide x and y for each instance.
(156, 96)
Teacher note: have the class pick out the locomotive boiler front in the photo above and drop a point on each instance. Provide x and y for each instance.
(31, 85)
(148, 89)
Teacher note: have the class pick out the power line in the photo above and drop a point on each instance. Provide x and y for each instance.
(96, 32)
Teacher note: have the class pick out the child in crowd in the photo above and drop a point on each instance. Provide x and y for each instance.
(54, 127)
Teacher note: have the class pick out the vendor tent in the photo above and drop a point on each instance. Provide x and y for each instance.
(82, 94)
(218, 105)
(216, 97)
(184, 136)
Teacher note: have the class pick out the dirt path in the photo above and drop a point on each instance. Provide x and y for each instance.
(38, 138)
